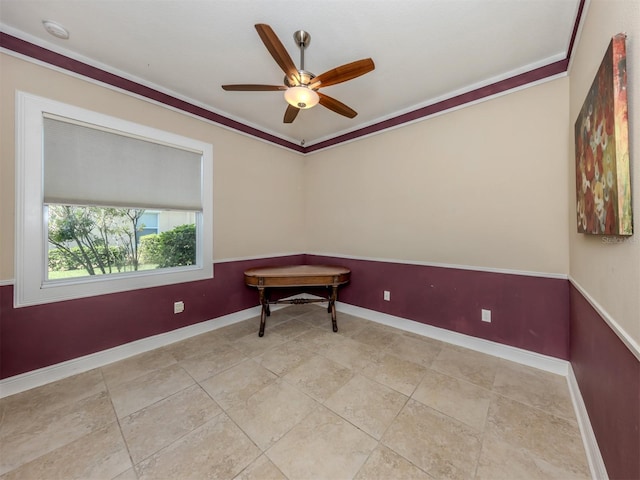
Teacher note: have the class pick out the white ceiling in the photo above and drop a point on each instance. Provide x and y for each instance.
(424, 50)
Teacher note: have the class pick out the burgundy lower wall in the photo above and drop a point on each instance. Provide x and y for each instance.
(527, 312)
(609, 378)
(42, 335)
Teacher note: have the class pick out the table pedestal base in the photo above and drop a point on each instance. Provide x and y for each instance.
(266, 311)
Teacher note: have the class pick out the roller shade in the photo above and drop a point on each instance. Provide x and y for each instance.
(84, 165)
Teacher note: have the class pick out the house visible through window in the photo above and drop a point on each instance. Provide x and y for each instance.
(148, 223)
(125, 206)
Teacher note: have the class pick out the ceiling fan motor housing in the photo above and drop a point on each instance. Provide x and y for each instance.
(305, 79)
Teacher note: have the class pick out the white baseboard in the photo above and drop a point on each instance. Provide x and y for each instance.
(596, 464)
(525, 357)
(42, 376)
(52, 373)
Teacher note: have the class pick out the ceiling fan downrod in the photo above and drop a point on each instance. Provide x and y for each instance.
(303, 39)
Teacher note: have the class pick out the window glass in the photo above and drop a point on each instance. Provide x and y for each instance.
(86, 241)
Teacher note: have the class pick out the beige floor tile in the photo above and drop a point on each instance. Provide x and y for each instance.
(318, 340)
(317, 316)
(24, 439)
(261, 469)
(385, 464)
(322, 321)
(279, 314)
(534, 387)
(220, 358)
(457, 398)
(551, 439)
(237, 384)
(129, 474)
(143, 391)
(126, 370)
(217, 449)
(284, 358)
(290, 328)
(293, 310)
(52, 396)
(318, 377)
(271, 412)
(422, 351)
(349, 325)
(395, 372)
(500, 460)
(160, 424)
(98, 455)
(252, 345)
(369, 405)
(240, 329)
(375, 335)
(352, 354)
(198, 345)
(474, 367)
(438, 444)
(322, 446)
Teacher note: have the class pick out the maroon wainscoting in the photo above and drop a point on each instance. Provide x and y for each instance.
(527, 312)
(42, 335)
(608, 375)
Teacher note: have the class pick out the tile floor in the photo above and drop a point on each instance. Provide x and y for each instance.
(370, 402)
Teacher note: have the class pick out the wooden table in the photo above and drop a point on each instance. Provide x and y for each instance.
(329, 276)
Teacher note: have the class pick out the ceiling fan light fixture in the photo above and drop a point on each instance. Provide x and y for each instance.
(301, 97)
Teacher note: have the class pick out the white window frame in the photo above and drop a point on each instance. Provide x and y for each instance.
(31, 225)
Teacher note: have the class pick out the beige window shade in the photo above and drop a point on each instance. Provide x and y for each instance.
(89, 166)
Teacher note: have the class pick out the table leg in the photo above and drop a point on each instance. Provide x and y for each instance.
(332, 307)
(329, 297)
(266, 302)
(263, 313)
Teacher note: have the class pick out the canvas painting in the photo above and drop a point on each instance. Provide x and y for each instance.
(603, 184)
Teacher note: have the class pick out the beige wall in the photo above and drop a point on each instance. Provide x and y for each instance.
(481, 186)
(608, 270)
(258, 202)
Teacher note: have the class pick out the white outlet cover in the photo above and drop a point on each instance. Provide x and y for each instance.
(178, 307)
(486, 315)
(387, 295)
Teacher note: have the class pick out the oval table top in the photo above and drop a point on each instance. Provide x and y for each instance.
(297, 275)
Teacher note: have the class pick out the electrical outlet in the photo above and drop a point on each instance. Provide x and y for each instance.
(178, 307)
(387, 295)
(486, 315)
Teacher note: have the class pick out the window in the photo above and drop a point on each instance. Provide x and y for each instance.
(99, 199)
(148, 224)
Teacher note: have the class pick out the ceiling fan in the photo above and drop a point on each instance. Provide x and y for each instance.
(300, 86)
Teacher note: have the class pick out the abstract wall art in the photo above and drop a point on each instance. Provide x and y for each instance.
(603, 184)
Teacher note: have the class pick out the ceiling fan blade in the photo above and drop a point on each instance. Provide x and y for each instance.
(252, 88)
(290, 114)
(343, 73)
(337, 106)
(277, 51)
